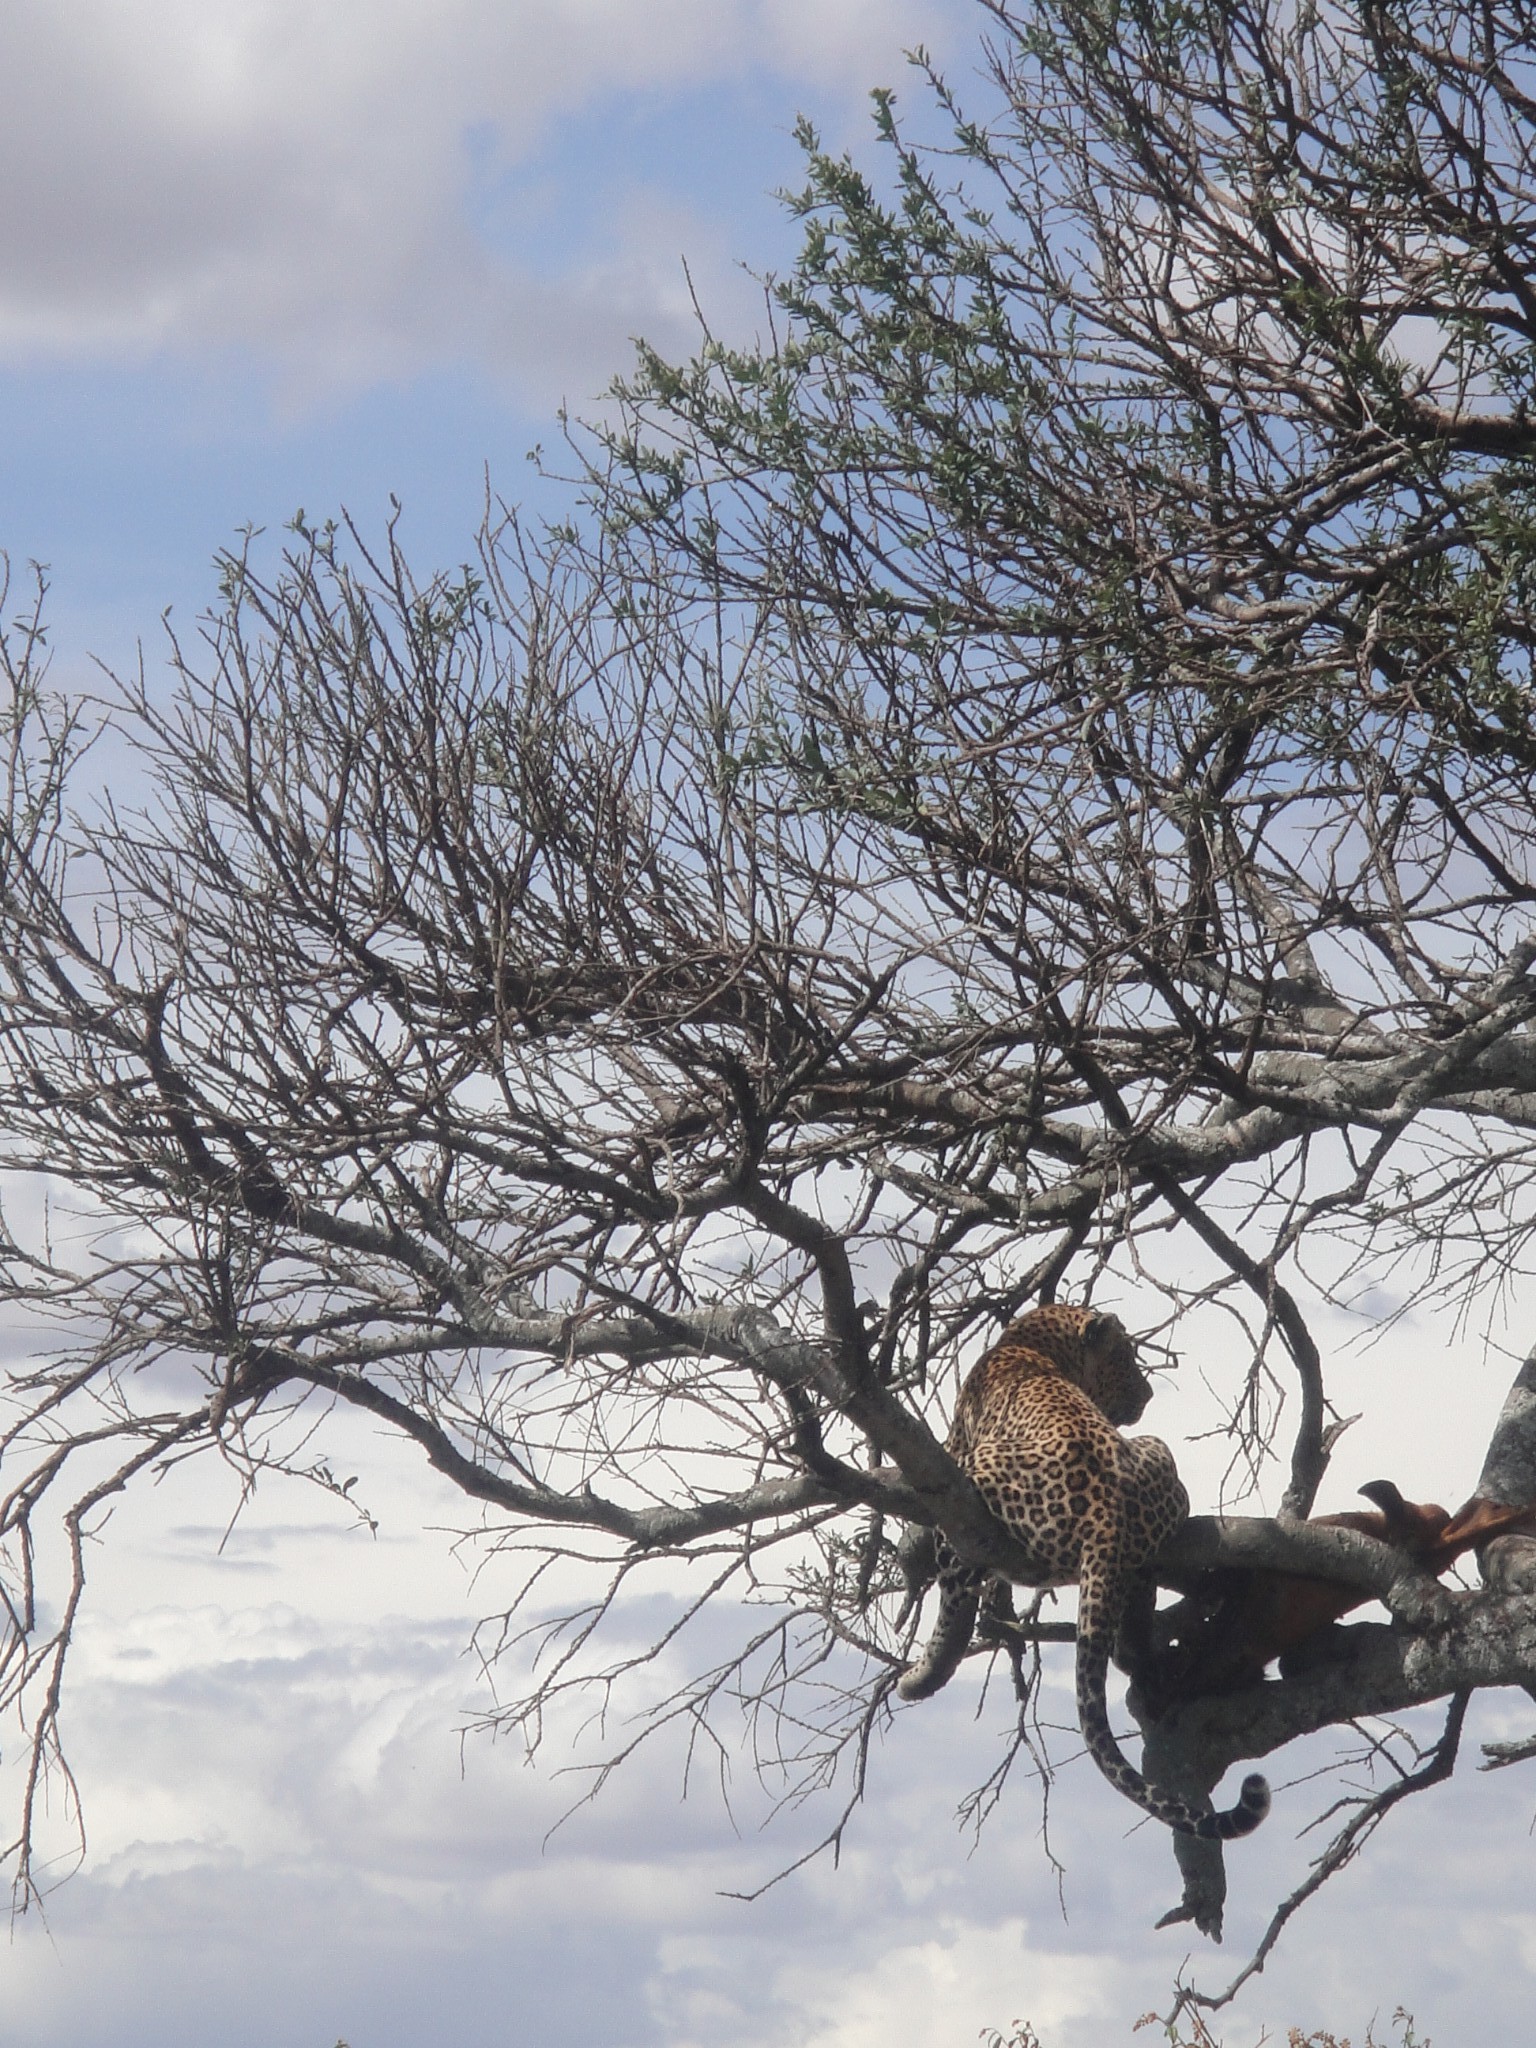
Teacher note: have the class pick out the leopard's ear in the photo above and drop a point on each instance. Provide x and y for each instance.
(1106, 1333)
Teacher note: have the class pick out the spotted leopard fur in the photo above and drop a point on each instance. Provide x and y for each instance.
(1036, 1429)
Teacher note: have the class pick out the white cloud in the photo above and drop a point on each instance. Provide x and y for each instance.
(287, 1846)
(293, 180)
(915, 1990)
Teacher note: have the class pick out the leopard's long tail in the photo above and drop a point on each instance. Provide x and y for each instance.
(1093, 1714)
(1097, 1605)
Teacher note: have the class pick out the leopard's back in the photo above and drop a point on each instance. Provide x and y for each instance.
(1040, 1448)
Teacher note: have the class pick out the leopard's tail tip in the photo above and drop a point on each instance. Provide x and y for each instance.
(1242, 1819)
(1252, 1804)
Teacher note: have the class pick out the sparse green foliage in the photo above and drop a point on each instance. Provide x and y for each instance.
(1200, 2035)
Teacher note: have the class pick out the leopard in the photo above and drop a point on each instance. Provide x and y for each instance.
(1037, 1428)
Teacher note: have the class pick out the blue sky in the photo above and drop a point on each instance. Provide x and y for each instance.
(262, 256)
(257, 255)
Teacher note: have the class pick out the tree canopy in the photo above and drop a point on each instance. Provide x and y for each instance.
(1018, 785)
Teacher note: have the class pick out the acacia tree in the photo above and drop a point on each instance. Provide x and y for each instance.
(1019, 786)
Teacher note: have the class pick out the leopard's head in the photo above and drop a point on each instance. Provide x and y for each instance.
(1094, 1350)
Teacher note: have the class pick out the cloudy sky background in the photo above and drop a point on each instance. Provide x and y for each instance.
(256, 256)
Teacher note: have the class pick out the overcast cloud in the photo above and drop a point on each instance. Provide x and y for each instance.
(289, 1843)
(326, 187)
